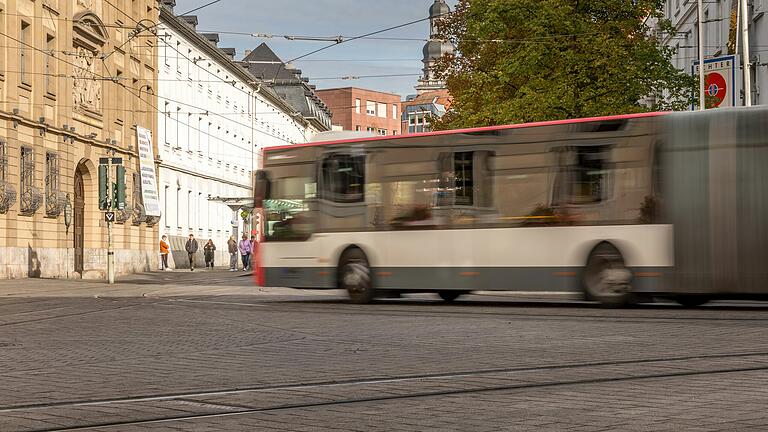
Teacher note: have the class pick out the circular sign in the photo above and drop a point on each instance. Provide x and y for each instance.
(716, 89)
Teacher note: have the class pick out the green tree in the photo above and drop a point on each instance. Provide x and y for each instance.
(535, 60)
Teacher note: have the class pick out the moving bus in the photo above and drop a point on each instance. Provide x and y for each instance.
(621, 209)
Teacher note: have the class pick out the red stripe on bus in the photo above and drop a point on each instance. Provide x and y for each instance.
(473, 130)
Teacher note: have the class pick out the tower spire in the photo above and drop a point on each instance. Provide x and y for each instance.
(434, 49)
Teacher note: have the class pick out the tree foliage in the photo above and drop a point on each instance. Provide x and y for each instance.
(534, 60)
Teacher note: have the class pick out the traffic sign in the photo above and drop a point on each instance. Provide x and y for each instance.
(109, 216)
(719, 81)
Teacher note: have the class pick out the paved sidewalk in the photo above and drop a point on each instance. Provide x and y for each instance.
(152, 284)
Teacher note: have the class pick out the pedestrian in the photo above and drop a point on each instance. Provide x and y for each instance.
(245, 251)
(232, 244)
(208, 250)
(191, 248)
(165, 249)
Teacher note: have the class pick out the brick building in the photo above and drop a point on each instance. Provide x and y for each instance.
(357, 109)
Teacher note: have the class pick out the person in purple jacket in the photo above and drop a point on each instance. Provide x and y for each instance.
(245, 251)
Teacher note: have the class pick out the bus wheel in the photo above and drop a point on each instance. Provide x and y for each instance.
(606, 278)
(451, 295)
(355, 276)
(691, 300)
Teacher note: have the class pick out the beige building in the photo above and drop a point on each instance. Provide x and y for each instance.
(76, 79)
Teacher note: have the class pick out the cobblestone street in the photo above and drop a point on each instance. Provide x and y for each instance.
(208, 351)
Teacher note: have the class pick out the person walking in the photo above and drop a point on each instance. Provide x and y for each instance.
(232, 245)
(245, 251)
(191, 248)
(165, 249)
(208, 250)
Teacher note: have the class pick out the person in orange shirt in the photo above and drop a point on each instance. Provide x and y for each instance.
(164, 251)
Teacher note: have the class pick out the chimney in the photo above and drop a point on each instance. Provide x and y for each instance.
(191, 20)
(248, 52)
(212, 37)
(170, 4)
(230, 52)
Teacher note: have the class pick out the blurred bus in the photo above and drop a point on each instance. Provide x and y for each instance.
(620, 208)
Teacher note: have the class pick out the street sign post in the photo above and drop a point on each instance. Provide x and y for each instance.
(111, 197)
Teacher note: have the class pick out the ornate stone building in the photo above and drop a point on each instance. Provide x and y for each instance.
(76, 79)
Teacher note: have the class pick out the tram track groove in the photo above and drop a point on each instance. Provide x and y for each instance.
(390, 397)
(372, 380)
(281, 307)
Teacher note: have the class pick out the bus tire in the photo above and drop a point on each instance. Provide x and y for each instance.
(450, 295)
(354, 276)
(691, 301)
(606, 278)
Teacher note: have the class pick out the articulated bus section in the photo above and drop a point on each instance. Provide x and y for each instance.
(616, 208)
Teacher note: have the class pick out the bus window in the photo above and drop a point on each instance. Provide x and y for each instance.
(582, 177)
(343, 178)
(465, 180)
(287, 211)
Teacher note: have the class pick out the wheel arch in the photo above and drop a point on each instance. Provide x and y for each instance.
(339, 253)
(628, 252)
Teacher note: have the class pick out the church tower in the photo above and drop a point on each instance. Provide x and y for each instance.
(434, 49)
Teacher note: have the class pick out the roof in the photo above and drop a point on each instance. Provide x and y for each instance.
(474, 130)
(444, 98)
(276, 70)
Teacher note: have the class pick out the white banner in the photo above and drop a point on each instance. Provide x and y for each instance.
(148, 175)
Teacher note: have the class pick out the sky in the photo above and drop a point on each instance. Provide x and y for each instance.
(327, 18)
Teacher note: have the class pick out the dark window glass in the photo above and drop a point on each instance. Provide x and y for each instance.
(343, 178)
(582, 178)
(464, 178)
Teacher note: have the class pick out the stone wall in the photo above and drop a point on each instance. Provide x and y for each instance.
(56, 263)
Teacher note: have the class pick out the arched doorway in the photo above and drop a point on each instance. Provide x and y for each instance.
(79, 218)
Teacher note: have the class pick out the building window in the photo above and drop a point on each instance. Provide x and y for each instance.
(24, 58)
(3, 41)
(382, 110)
(52, 191)
(394, 112)
(137, 201)
(165, 207)
(394, 132)
(50, 64)
(382, 132)
(370, 108)
(358, 128)
(357, 106)
(31, 198)
(370, 129)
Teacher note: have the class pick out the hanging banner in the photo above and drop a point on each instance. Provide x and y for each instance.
(719, 81)
(148, 174)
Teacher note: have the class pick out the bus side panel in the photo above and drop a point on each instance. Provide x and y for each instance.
(750, 214)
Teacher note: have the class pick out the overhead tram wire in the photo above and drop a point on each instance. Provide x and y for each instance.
(364, 36)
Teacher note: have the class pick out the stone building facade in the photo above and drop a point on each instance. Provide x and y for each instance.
(76, 79)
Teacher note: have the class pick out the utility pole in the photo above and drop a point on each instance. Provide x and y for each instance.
(702, 84)
(745, 59)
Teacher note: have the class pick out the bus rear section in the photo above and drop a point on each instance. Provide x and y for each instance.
(524, 207)
(713, 180)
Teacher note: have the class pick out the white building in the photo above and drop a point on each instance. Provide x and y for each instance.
(721, 37)
(214, 121)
